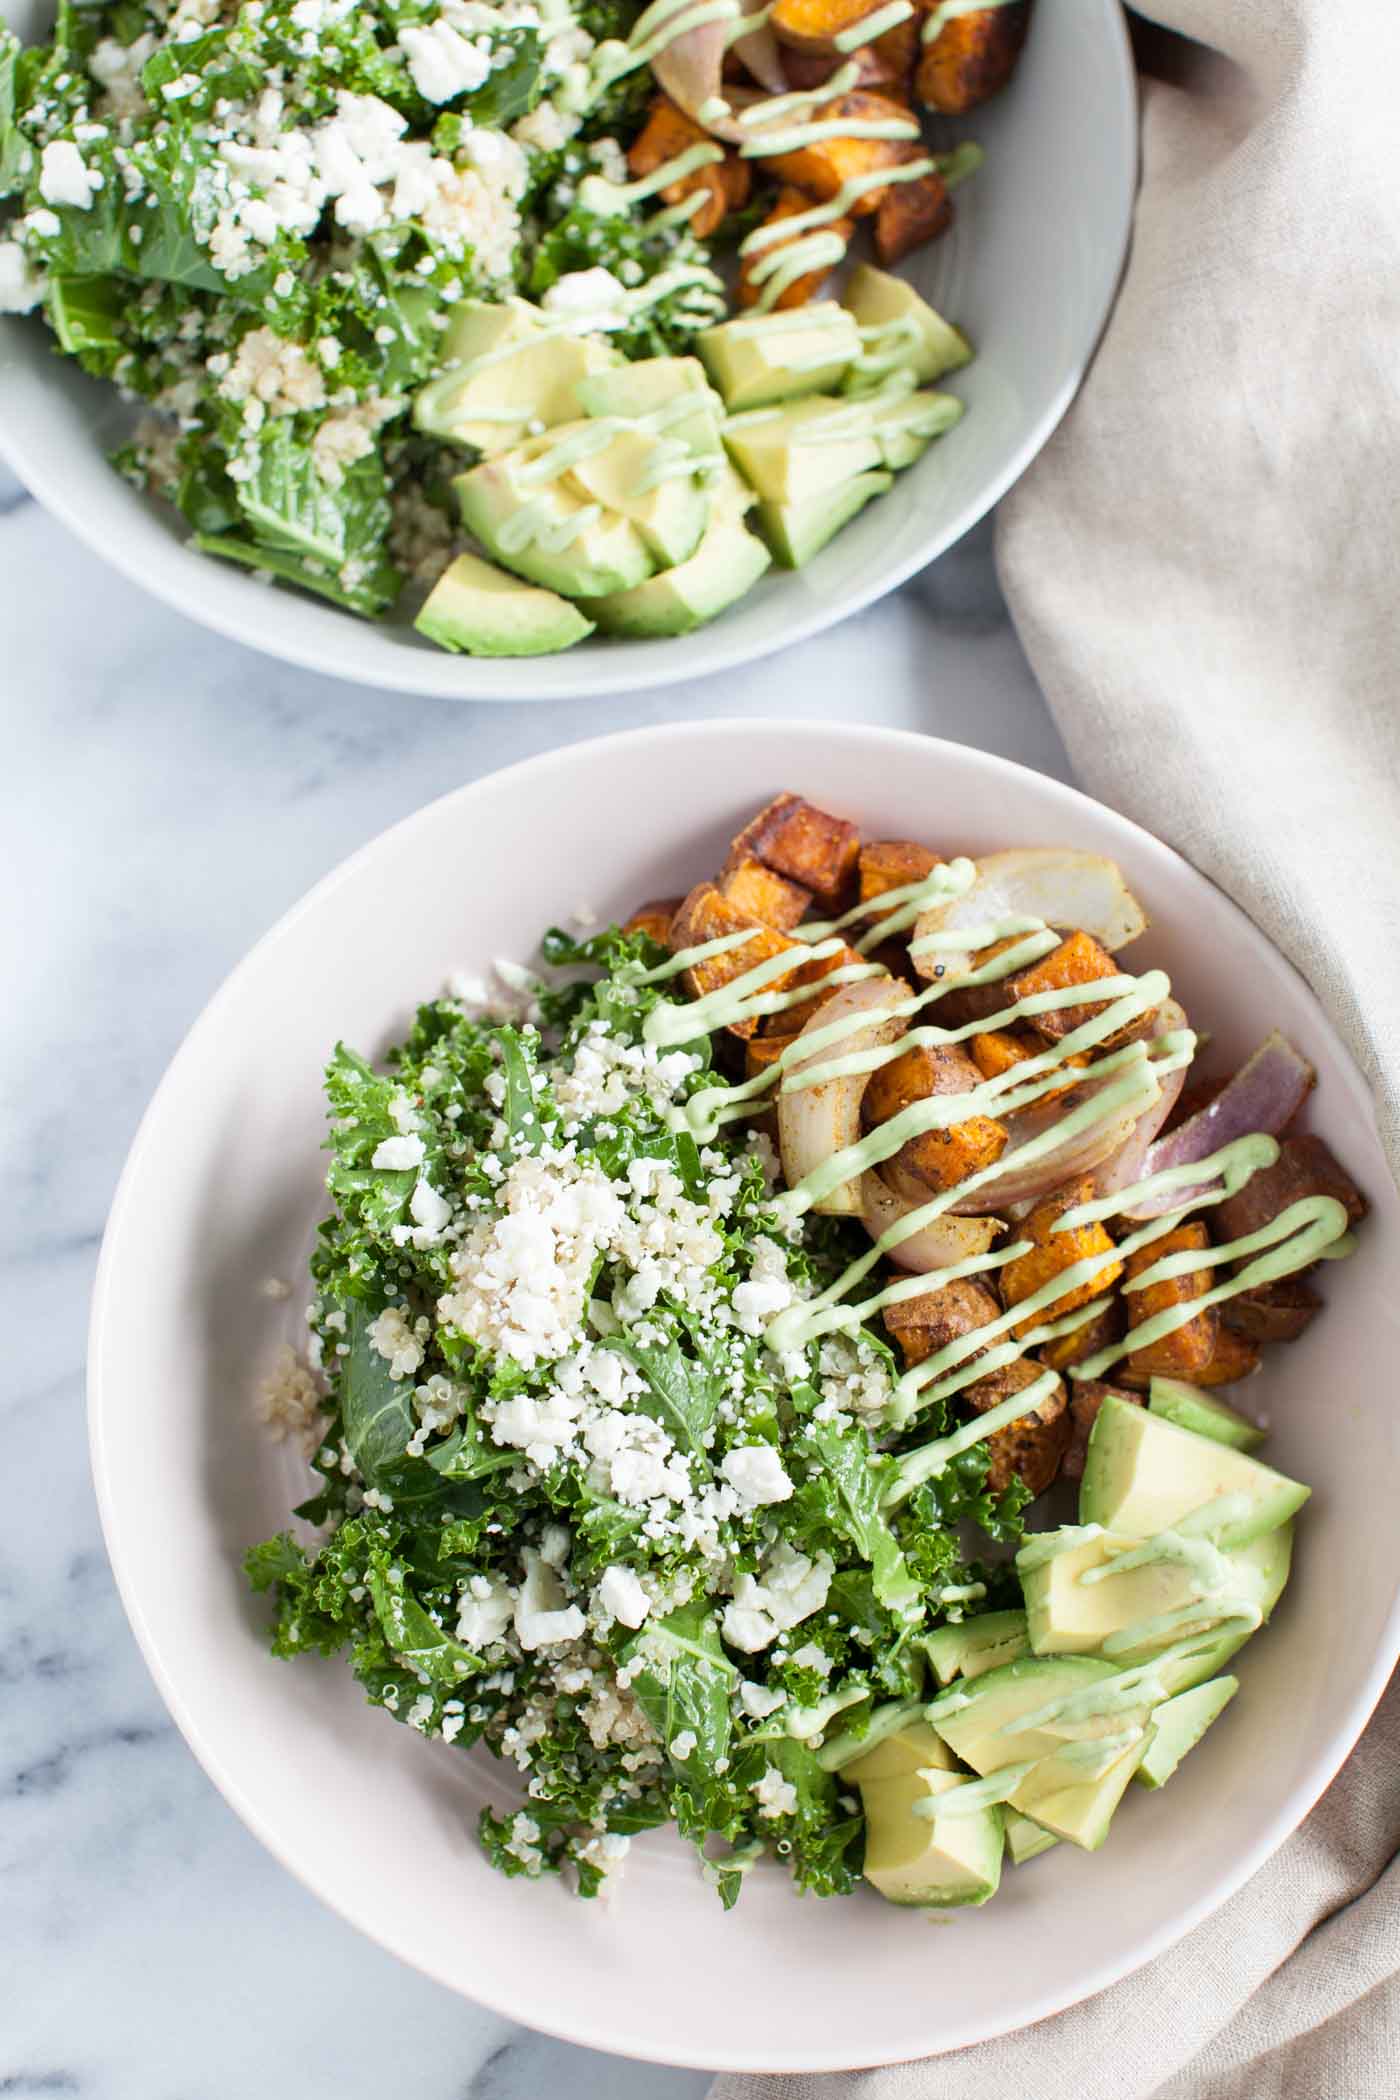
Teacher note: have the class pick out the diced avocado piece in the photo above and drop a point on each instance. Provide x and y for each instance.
(521, 378)
(797, 531)
(475, 607)
(547, 534)
(731, 497)
(727, 563)
(793, 454)
(652, 387)
(1080, 1809)
(976, 1645)
(669, 510)
(1260, 1574)
(905, 428)
(1190, 1407)
(877, 300)
(776, 357)
(1074, 1603)
(910, 1749)
(1025, 1839)
(481, 327)
(1179, 1725)
(1143, 1474)
(933, 1863)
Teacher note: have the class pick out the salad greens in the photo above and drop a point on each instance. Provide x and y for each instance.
(570, 1508)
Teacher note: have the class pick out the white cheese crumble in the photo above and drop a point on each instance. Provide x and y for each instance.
(791, 1587)
(442, 63)
(487, 1609)
(542, 1618)
(756, 1474)
(588, 301)
(622, 1597)
(65, 177)
(758, 1701)
(398, 1154)
(21, 286)
(775, 1795)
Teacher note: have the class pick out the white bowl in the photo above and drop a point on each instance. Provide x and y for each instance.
(222, 1190)
(1029, 270)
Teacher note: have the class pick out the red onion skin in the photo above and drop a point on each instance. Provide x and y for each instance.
(1264, 1096)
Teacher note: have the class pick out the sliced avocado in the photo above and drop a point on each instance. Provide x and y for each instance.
(877, 300)
(904, 428)
(1143, 1474)
(504, 373)
(977, 1645)
(910, 1749)
(658, 388)
(1081, 1809)
(1179, 1725)
(1260, 1575)
(776, 357)
(482, 610)
(630, 476)
(796, 532)
(1025, 1839)
(933, 1863)
(1074, 1602)
(794, 454)
(549, 535)
(727, 563)
(1192, 1408)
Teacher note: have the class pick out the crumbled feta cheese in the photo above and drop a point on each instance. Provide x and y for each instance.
(65, 177)
(21, 286)
(759, 1701)
(790, 1588)
(487, 1609)
(622, 1597)
(587, 301)
(775, 1795)
(430, 1212)
(398, 1154)
(443, 64)
(756, 1474)
(542, 1619)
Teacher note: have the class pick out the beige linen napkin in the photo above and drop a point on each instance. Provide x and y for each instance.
(1204, 567)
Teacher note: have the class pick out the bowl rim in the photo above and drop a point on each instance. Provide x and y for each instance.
(641, 666)
(1145, 849)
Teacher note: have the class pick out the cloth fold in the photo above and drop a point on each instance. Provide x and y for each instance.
(1204, 568)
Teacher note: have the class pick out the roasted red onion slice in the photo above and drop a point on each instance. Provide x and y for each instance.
(691, 70)
(817, 1122)
(1127, 1164)
(1077, 1155)
(1264, 1096)
(937, 1246)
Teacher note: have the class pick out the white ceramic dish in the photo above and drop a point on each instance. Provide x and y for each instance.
(222, 1189)
(1029, 270)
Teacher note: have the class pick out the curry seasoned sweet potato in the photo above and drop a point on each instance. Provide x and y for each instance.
(936, 1159)
(803, 289)
(816, 973)
(910, 215)
(1051, 1253)
(654, 918)
(1186, 1351)
(886, 63)
(707, 915)
(925, 1324)
(1000, 1050)
(891, 864)
(1305, 1166)
(1066, 1349)
(1272, 1312)
(1034, 1445)
(1079, 959)
(821, 168)
(813, 25)
(723, 184)
(1233, 1357)
(805, 843)
(972, 57)
(1086, 1397)
(763, 894)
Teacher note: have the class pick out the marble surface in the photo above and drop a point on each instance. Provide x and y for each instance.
(165, 796)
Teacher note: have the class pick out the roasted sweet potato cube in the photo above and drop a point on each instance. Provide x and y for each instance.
(1051, 1253)
(925, 1324)
(1032, 1446)
(917, 1075)
(1066, 1349)
(802, 289)
(1233, 1358)
(818, 974)
(1272, 1312)
(891, 864)
(1079, 959)
(811, 25)
(1187, 1349)
(763, 895)
(1086, 1397)
(723, 185)
(761, 1052)
(823, 167)
(654, 919)
(935, 1159)
(806, 844)
(1305, 1166)
(910, 215)
(706, 915)
(972, 57)
(999, 1050)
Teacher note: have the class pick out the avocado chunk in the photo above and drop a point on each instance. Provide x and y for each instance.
(503, 373)
(797, 531)
(977, 1645)
(671, 392)
(727, 563)
(1082, 1809)
(1179, 1725)
(1076, 1603)
(549, 535)
(791, 455)
(487, 613)
(635, 475)
(1190, 1407)
(910, 1749)
(877, 300)
(1143, 1474)
(1025, 1839)
(776, 357)
(932, 1862)
(904, 428)
(1260, 1573)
